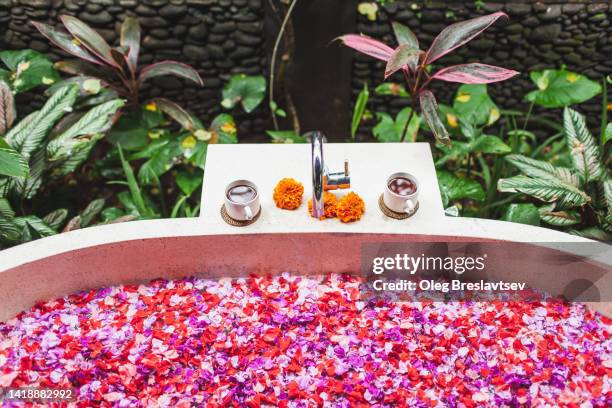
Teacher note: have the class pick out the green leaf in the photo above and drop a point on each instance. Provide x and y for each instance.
(97, 120)
(55, 219)
(189, 182)
(130, 131)
(135, 193)
(489, 144)
(523, 214)
(429, 107)
(389, 130)
(91, 211)
(456, 188)
(559, 88)
(249, 91)
(582, 145)
(176, 112)
(80, 153)
(404, 35)
(286, 136)
(5, 209)
(558, 218)
(111, 214)
(26, 187)
(9, 232)
(592, 233)
(29, 134)
(7, 108)
(225, 126)
(11, 162)
(548, 190)
(360, 106)
(391, 88)
(474, 105)
(28, 69)
(34, 223)
(607, 187)
(541, 169)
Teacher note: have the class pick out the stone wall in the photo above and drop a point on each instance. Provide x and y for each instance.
(537, 35)
(218, 37)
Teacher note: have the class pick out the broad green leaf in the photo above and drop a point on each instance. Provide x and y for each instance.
(404, 35)
(360, 106)
(456, 188)
(96, 121)
(29, 134)
(111, 214)
(547, 190)
(28, 69)
(286, 136)
(249, 91)
(159, 162)
(429, 108)
(189, 182)
(5, 209)
(26, 187)
(130, 130)
(404, 55)
(523, 214)
(66, 42)
(474, 105)
(389, 130)
(170, 68)
(558, 218)
(489, 144)
(9, 232)
(559, 88)
(225, 127)
(11, 162)
(40, 228)
(392, 88)
(607, 134)
(87, 36)
(541, 169)
(130, 38)
(582, 145)
(55, 219)
(592, 233)
(135, 193)
(91, 211)
(7, 108)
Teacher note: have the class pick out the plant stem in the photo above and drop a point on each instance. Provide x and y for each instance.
(412, 106)
(528, 114)
(405, 131)
(543, 145)
(604, 115)
(273, 59)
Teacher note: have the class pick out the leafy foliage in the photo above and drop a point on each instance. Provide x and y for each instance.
(559, 88)
(248, 91)
(413, 63)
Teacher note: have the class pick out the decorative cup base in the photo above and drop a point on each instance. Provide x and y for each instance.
(238, 223)
(392, 214)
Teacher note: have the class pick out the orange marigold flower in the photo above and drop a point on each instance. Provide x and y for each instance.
(350, 208)
(329, 205)
(288, 194)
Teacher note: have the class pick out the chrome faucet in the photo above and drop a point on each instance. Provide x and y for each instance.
(322, 179)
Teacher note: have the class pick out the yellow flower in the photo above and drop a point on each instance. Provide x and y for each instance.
(572, 77)
(610, 106)
(229, 128)
(463, 97)
(189, 142)
(203, 135)
(154, 134)
(493, 116)
(151, 106)
(368, 9)
(452, 120)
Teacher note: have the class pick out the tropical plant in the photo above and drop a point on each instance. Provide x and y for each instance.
(578, 196)
(414, 63)
(248, 91)
(26, 69)
(44, 144)
(107, 72)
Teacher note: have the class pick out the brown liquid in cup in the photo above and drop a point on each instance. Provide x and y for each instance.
(241, 194)
(402, 186)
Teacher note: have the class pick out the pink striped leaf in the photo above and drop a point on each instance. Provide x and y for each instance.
(368, 46)
(429, 108)
(404, 35)
(405, 55)
(474, 73)
(456, 35)
(65, 42)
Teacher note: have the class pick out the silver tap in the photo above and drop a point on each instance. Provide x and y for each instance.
(322, 179)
